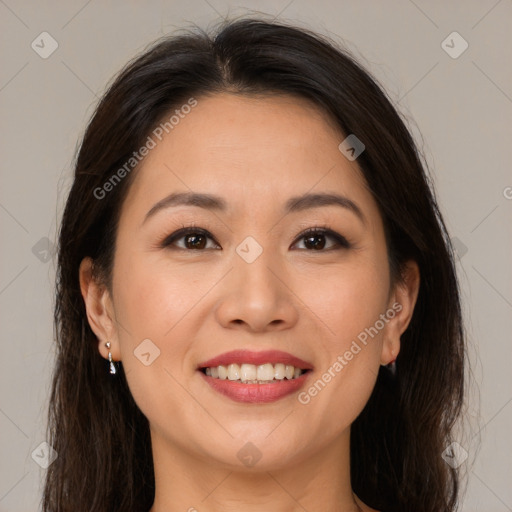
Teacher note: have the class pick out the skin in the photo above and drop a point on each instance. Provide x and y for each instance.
(194, 304)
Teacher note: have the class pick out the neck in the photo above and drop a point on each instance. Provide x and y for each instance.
(192, 482)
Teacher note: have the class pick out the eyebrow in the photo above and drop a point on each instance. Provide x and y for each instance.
(300, 203)
(207, 201)
(294, 204)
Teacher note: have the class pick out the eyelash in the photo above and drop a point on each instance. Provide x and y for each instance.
(340, 241)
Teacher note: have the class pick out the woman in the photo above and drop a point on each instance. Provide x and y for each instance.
(257, 307)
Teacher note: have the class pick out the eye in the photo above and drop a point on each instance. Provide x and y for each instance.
(197, 239)
(316, 239)
(192, 238)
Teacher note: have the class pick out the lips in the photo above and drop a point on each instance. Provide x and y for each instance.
(257, 358)
(255, 392)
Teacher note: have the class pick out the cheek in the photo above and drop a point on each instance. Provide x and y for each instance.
(150, 305)
(349, 297)
(349, 303)
(150, 297)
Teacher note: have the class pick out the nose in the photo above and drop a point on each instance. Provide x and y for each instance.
(256, 296)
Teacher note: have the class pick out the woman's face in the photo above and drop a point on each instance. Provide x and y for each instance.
(246, 277)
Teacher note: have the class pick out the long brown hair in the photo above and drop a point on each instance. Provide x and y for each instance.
(104, 450)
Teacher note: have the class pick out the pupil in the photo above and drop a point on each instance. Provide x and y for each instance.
(195, 241)
(315, 242)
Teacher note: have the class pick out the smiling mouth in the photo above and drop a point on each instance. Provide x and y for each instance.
(246, 373)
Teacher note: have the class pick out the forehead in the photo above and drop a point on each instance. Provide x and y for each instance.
(256, 151)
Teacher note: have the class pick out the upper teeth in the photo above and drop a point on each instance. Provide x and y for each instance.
(252, 373)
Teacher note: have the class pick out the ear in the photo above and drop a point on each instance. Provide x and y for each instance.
(99, 308)
(400, 310)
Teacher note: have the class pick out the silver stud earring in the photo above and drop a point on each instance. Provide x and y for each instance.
(112, 365)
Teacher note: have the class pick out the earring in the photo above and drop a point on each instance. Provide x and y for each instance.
(112, 365)
(392, 367)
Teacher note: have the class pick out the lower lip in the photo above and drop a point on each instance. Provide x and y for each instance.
(256, 393)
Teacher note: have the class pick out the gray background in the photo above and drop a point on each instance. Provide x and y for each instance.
(461, 106)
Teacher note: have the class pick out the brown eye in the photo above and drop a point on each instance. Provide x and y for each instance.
(195, 241)
(191, 239)
(316, 241)
(322, 240)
